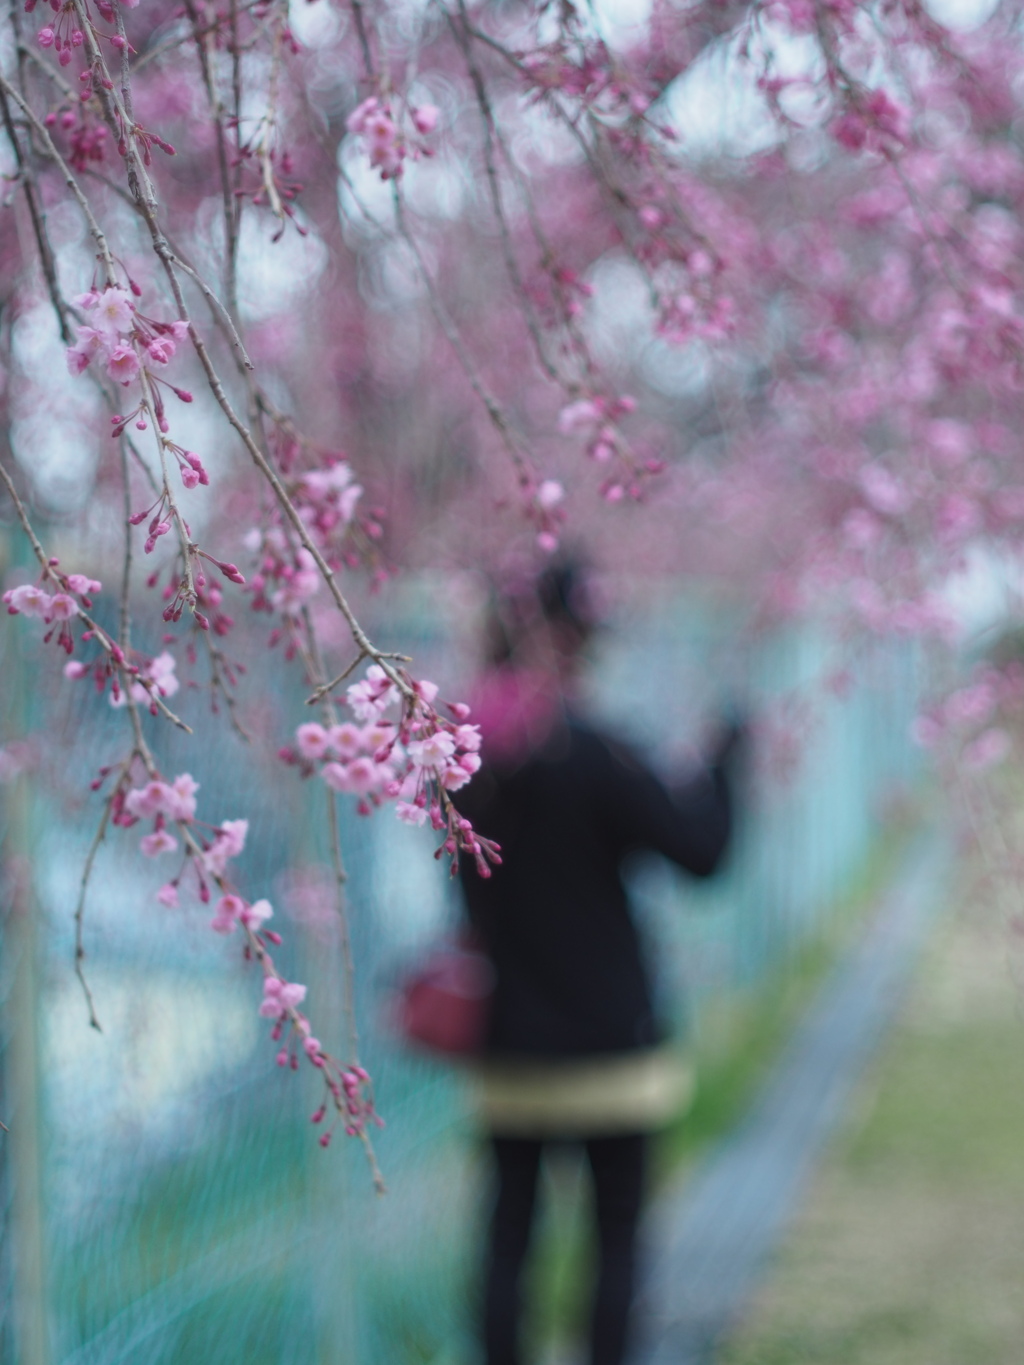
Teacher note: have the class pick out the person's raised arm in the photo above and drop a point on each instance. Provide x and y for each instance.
(690, 823)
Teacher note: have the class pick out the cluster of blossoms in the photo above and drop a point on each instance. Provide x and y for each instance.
(327, 498)
(329, 501)
(597, 419)
(174, 803)
(549, 515)
(417, 760)
(58, 609)
(122, 339)
(874, 123)
(968, 719)
(386, 143)
(353, 1099)
(157, 676)
(88, 139)
(586, 72)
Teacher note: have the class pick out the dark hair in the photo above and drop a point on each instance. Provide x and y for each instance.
(560, 596)
(565, 598)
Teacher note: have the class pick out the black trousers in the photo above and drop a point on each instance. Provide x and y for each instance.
(618, 1167)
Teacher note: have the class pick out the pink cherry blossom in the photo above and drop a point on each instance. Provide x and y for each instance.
(336, 776)
(280, 996)
(468, 737)
(168, 895)
(454, 777)
(357, 120)
(123, 363)
(91, 344)
(228, 911)
(29, 600)
(409, 813)
(364, 775)
(549, 494)
(433, 751)
(113, 311)
(158, 842)
(145, 802)
(371, 697)
(425, 118)
(179, 797)
(311, 740)
(253, 916)
(228, 843)
(81, 584)
(345, 740)
(161, 350)
(161, 672)
(988, 750)
(62, 607)
(578, 416)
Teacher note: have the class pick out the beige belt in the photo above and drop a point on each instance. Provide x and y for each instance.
(613, 1093)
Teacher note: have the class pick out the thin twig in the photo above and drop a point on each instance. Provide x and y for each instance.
(127, 675)
(83, 887)
(44, 133)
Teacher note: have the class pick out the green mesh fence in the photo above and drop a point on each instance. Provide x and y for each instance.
(180, 1209)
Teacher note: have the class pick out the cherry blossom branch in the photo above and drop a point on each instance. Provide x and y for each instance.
(322, 689)
(83, 886)
(348, 966)
(499, 420)
(209, 30)
(231, 209)
(117, 658)
(38, 218)
(494, 188)
(43, 133)
(142, 190)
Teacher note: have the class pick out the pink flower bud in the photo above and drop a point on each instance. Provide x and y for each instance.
(425, 118)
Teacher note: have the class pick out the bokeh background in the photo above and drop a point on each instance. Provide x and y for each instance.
(165, 1198)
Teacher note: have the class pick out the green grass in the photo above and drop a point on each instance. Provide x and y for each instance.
(750, 1029)
(910, 1246)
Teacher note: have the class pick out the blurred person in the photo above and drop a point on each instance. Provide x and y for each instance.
(574, 1050)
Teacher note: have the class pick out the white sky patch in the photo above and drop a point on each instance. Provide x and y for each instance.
(716, 108)
(622, 21)
(435, 187)
(314, 25)
(53, 433)
(961, 15)
(274, 275)
(985, 594)
(674, 370)
(368, 195)
(619, 316)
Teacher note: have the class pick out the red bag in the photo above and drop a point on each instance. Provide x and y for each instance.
(445, 1006)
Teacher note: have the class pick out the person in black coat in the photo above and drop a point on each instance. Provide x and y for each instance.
(574, 1048)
